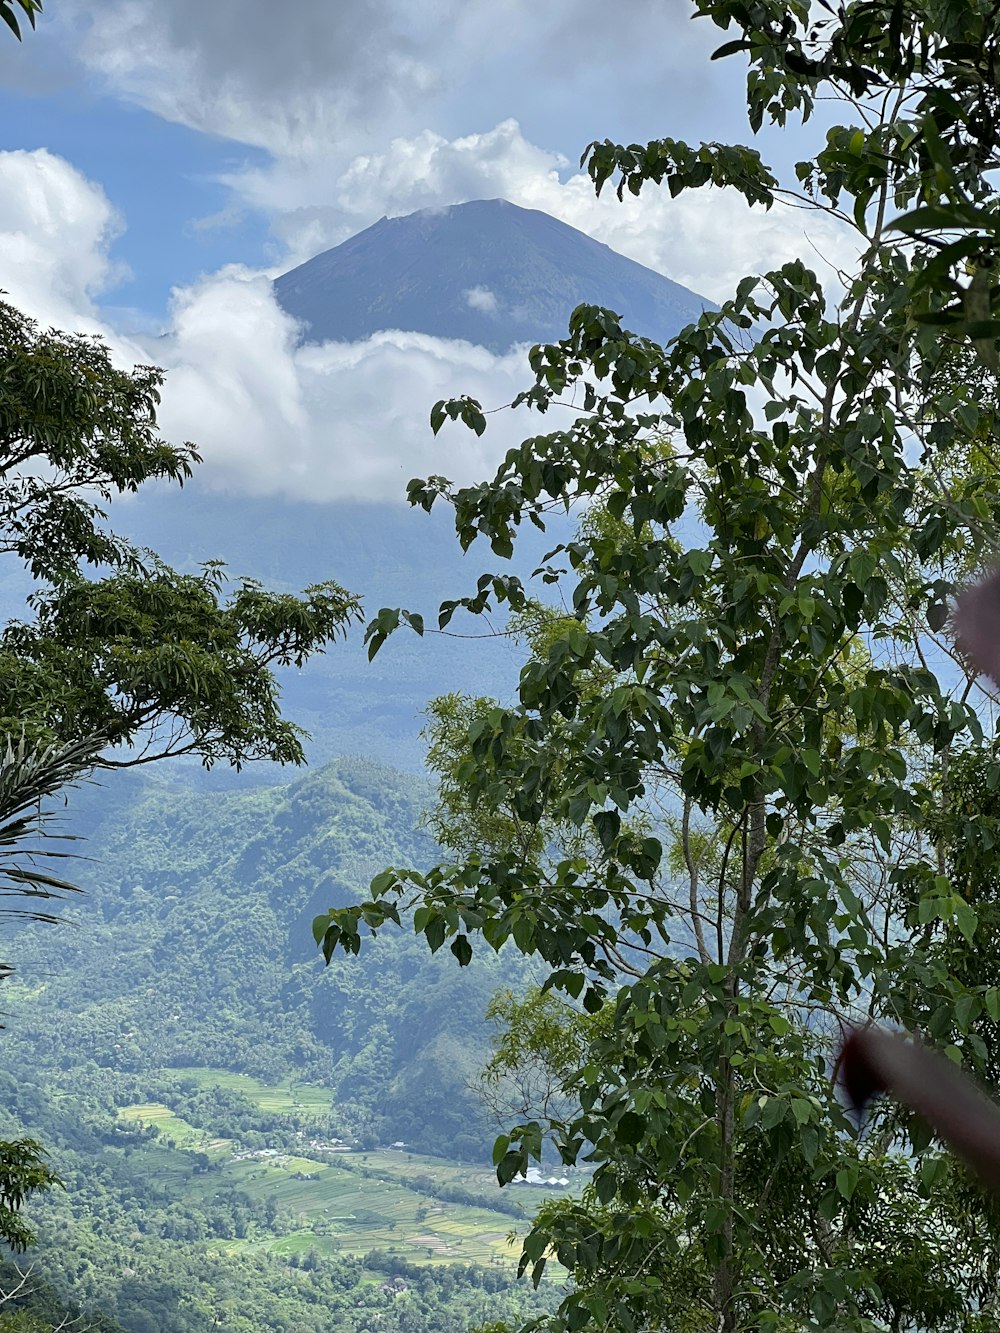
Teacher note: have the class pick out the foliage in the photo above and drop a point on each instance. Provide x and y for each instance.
(158, 1239)
(28, 776)
(160, 663)
(541, 1041)
(8, 13)
(29, 1304)
(153, 662)
(451, 821)
(764, 768)
(23, 1172)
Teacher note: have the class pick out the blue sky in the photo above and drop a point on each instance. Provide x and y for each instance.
(160, 162)
(162, 178)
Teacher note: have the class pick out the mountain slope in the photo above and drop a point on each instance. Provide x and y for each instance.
(488, 272)
(194, 948)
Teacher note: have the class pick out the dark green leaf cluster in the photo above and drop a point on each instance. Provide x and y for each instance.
(29, 8)
(23, 1172)
(72, 425)
(166, 657)
(779, 506)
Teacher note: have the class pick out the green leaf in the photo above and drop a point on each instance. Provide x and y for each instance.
(772, 1112)
(608, 826)
(729, 49)
(932, 1170)
(630, 1128)
(435, 932)
(847, 1180)
(8, 17)
(966, 919)
(802, 1110)
(382, 883)
(966, 1009)
(462, 950)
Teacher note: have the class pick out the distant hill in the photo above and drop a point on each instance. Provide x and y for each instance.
(389, 554)
(194, 948)
(488, 272)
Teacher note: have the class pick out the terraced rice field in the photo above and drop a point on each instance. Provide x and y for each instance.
(181, 1132)
(293, 1098)
(339, 1212)
(408, 1167)
(364, 1201)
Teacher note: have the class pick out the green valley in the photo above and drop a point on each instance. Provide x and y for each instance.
(221, 1107)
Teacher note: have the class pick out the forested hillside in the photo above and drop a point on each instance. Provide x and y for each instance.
(187, 1060)
(194, 948)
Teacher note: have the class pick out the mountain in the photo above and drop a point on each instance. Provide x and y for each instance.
(488, 272)
(415, 272)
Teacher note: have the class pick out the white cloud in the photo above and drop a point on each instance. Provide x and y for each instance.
(334, 422)
(321, 423)
(481, 298)
(56, 229)
(342, 95)
(305, 80)
(247, 71)
(706, 239)
(313, 207)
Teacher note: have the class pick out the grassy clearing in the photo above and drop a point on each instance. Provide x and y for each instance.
(291, 1098)
(181, 1132)
(336, 1211)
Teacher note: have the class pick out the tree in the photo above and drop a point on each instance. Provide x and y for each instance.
(23, 1172)
(8, 12)
(745, 714)
(124, 661)
(121, 647)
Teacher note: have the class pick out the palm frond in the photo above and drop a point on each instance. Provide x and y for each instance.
(30, 774)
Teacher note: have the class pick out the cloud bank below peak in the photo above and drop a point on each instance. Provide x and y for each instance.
(337, 421)
(341, 420)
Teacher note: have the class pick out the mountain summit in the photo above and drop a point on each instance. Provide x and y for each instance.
(487, 271)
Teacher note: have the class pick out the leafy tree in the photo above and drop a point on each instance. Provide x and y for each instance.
(540, 1044)
(8, 12)
(23, 1172)
(154, 662)
(746, 715)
